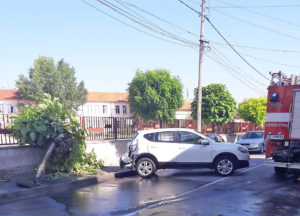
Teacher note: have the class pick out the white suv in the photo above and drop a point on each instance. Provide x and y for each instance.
(150, 150)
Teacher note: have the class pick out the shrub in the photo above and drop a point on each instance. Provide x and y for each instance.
(40, 125)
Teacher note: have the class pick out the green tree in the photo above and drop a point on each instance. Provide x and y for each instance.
(155, 95)
(56, 80)
(218, 106)
(254, 110)
(48, 124)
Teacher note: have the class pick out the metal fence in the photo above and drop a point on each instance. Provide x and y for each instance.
(108, 128)
(5, 135)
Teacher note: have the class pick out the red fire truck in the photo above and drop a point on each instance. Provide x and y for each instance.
(282, 127)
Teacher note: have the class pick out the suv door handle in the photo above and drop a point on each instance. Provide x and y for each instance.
(153, 146)
(182, 147)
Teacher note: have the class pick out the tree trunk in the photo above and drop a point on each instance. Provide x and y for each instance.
(160, 123)
(42, 164)
(213, 129)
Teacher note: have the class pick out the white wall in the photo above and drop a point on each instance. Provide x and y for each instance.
(96, 109)
(109, 151)
(5, 105)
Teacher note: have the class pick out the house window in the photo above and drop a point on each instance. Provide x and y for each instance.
(124, 110)
(1, 108)
(117, 109)
(104, 108)
(97, 109)
(10, 108)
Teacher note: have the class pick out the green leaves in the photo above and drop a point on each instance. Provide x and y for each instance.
(39, 125)
(155, 95)
(58, 81)
(218, 106)
(254, 110)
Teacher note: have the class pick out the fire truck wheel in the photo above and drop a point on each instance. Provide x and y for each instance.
(280, 170)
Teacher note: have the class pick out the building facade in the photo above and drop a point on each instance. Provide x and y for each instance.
(106, 104)
(10, 102)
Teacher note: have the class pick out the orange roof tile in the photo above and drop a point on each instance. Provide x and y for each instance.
(8, 94)
(186, 107)
(107, 96)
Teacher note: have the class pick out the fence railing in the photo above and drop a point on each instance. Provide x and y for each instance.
(5, 135)
(108, 128)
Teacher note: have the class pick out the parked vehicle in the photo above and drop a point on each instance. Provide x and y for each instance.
(215, 137)
(254, 141)
(155, 149)
(282, 127)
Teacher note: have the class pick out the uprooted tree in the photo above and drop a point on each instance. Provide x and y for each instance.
(47, 125)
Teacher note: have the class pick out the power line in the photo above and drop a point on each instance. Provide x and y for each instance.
(257, 25)
(269, 61)
(190, 7)
(258, 48)
(258, 6)
(226, 68)
(219, 53)
(261, 14)
(250, 65)
(157, 17)
(130, 26)
(170, 35)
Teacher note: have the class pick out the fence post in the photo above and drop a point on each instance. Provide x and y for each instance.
(115, 128)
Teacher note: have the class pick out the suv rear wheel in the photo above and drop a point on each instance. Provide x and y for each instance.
(224, 166)
(145, 167)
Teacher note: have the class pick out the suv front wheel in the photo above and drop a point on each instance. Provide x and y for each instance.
(224, 166)
(145, 167)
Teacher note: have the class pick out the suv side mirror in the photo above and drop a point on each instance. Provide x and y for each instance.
(204, 142)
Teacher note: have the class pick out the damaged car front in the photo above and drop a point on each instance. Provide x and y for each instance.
(129, 157)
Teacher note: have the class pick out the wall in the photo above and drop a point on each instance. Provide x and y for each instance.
(18, 160)
(96, 109)
(109, 151)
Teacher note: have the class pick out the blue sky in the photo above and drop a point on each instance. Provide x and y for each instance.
(106, 53)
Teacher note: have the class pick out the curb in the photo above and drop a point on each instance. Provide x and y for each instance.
(127, 173)
(56, 187)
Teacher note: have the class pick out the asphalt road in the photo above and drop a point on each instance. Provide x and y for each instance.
(252, 191)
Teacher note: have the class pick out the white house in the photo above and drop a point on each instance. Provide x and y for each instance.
(9, 101)
(106, 104)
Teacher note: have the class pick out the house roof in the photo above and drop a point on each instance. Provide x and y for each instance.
(186, 107)
(107, 97)
(6, 94)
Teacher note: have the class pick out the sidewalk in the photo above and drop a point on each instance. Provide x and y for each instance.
(10, 191)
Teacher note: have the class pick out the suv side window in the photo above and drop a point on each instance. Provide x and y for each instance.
(150, 137)
(168, 136)
(188, 137)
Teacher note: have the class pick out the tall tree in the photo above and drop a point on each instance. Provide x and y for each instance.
(254, 110)
(155, 95)
(56, 80)
(218, 106)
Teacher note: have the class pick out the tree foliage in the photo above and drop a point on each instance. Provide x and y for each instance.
(155, 95)
(218, 106)
(56, 80)
(254, 110)
(40, 125)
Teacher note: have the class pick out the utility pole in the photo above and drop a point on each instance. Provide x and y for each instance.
(201, 50)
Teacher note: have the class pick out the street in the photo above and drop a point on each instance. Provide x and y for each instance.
(252, 191)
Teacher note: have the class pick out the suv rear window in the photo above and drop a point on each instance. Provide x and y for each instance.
(166, 136)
